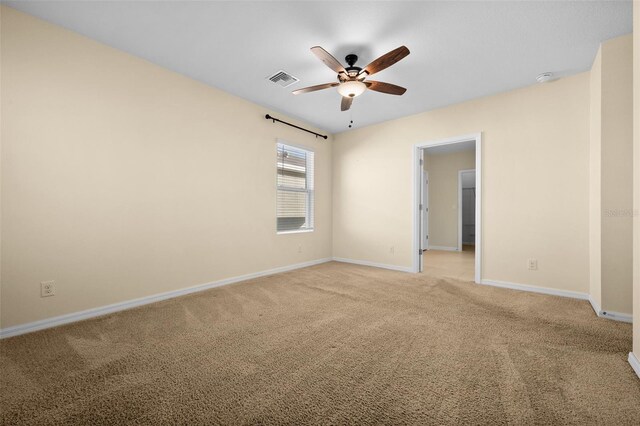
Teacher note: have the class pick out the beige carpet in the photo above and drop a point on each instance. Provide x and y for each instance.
(330, 344)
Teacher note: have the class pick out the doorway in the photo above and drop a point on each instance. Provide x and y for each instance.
(426, 227)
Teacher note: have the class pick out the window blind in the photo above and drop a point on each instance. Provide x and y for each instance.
(295, 190)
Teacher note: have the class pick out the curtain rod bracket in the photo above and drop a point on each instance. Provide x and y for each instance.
(273, 119)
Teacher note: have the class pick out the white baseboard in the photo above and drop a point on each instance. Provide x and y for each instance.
(121, 306)
(443, 248)
(595, 305)
(536, 289)
(374, 264)
(635, 363)
(616, 316)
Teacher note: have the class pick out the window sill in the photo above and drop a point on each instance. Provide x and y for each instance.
(297, 231)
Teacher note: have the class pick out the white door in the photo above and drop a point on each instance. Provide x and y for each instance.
(424, 206)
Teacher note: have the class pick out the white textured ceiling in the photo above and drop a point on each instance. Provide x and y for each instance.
(459, 50)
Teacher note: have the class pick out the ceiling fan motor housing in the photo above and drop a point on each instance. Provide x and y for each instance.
(351, 70)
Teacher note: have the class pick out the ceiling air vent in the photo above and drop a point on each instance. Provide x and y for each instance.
(282, 78)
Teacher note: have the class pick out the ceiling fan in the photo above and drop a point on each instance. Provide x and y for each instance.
(351, 80)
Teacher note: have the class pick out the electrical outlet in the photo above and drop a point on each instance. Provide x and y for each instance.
(47, 288)
(532, 264)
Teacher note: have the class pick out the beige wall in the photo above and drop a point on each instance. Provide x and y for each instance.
(617, 174)
(443, 194)
(636, 168)
(121, 179)
(611, 176)
(535, 183)
(1, 121)
(595, 181)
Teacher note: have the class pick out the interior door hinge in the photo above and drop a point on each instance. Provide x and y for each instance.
(421, 161)
(420, 208)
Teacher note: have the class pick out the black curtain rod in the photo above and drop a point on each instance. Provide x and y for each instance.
(268, 117)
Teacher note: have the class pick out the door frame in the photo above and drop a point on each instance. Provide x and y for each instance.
(460, 173)
(417, 257)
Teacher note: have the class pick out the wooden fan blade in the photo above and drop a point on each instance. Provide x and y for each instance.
(328, 59)
(385, 61)
(346, 103)
(314, 88)
(388, 88)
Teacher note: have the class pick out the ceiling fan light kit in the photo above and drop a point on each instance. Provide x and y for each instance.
(352, 88)
(351, 80)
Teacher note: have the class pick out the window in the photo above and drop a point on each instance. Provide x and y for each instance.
(294, 209)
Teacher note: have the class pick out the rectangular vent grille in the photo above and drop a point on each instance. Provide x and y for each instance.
(283, 79)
